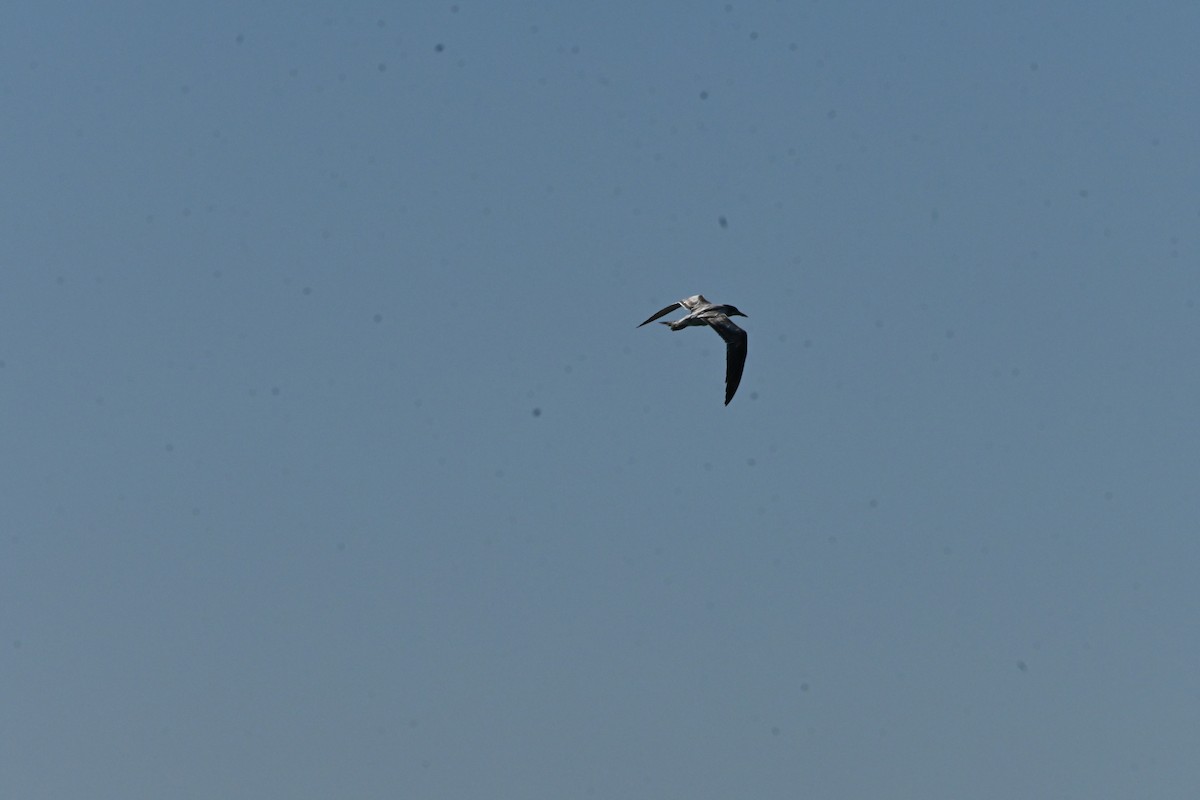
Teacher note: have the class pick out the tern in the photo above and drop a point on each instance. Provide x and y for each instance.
(717, 317)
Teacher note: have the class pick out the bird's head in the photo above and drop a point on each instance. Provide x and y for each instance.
(732, 311)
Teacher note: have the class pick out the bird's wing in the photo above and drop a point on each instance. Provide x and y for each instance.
(690, 303)
(735, 352)
(665, 311)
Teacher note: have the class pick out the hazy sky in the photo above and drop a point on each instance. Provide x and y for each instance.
(334, 464)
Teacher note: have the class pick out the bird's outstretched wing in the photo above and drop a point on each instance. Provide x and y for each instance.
(690, 303)
(662, 313)
(735, 352)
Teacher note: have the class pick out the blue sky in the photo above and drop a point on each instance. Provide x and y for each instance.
(337, 467)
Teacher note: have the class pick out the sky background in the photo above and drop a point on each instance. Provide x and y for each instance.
(334, 464)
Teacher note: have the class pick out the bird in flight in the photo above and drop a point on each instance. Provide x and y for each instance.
(717, 317)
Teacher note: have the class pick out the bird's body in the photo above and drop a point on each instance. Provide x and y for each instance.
(716, 316)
